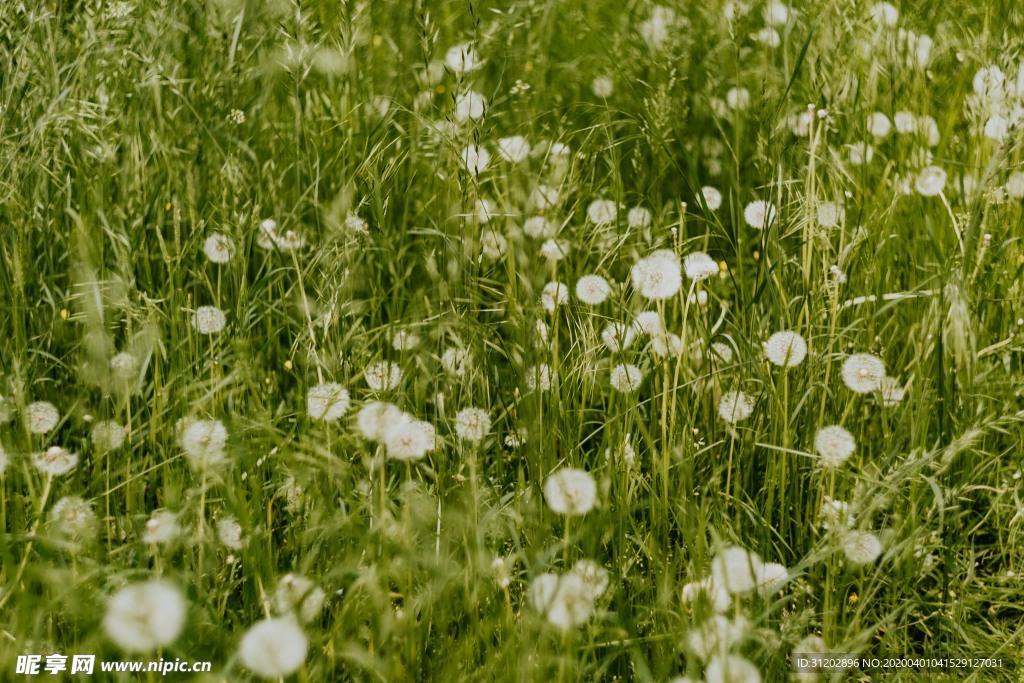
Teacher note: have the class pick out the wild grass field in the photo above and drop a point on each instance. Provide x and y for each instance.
(466, 340)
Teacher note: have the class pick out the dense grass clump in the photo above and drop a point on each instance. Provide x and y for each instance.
(532, 341)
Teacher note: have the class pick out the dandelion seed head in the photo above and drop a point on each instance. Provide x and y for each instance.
(472, 424)
(862, 373)
(570, 491)
(376, 418)
(327, 402)
(41, 417)
(592, 290)
(469, 106)
(602, 212)
(219, 248)
(230, 533)
(462, 58)
(735, 406)
(892, 391)
(553, 295)
(930, 181)
(657, 276)
(162, 528)
(618, 337)
(73, 519)
(699, 266)
(861, 547)
(760, 214)
(514, 149)
(538, 377)
(208, 320)
(408, 438)
(55, 461)
(726, 668)
(383, 376)
(626, 378)
(834, 444)
(203, 441)
(736, 569)
(273, 648)
(299, 596)
(785, 348)
(142, 617)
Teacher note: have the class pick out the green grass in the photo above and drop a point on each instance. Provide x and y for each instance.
(126, 141)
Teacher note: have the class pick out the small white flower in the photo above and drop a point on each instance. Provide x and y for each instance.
(55, 461)
(930, 181)
(735, 406)
(203, 441)
(514, 149)
(328, 402)
(626, 378)
(476, 159)
(41, 417)
(408, 438)
(567, 601)
(73, 520)
(208, 320)
(771, 578)
(834, 444)
(712, 198)
(462, 58)
(570, 491)
(786, 349)
(592, 290)
(456, 362)
(658, 276)
(229, 531)
(472, 424)
(375, 419)
(699, 266)
(142, 617)
(553, 295)
(862, 547)
(469, 106)
(862, 373)
(602, 212)
(383, 376)
(273, 648)
(298, 595)
(602, 87)
(760, 214)
(736, 570)
(618, 337)
(879, 126)
(162, 528)
(860, 153)
(554, 250)
(648, 322)
(638, 217)
(219, 248)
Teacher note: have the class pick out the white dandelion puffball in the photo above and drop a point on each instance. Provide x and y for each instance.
(408, 438)
(717, 635)
(905, 122)
(862, 373)
(572, 604)
(514, 149)
(997, 128)
(327, 402)
(41, 417)
(376, 418)
(553, 295)
(204, 441)
(860, 153)
(142, 617)
(892, 392)
(456, 362)
(544, 197)
(554, 250)
(772, 578)
(602, 87)
(718, 598)
(229, 532)
(462, 58)
(493, 244)
(885, 14)
(472, 424)
(722, 351)
(570, 491)
(618, 337)
(655, 30)
(162, 528)
(861, 547)
(1015, 185)
(712, 198)
(383, 376)
(776, 13)
(648, 322)
(735, 406)
(5, 460)
(539, 227)
(55, 461)
(538, 377)
(72, 519)
(731, 669)
(273, 648)
(125, 366)
(594, 575)
(738, 99)
(786, 349)
(879, 125)
(836, 514)
(736, 570)
(602, 212)
(699, 266)
(988, 82)
(208, 320)
(219, 248)
(834, 444)
(404, 340)
(638, 217)
(760, 214)
(469, 106)
(800, 123)
(107, 436)
(298, 595)
(592, 290)
(476, 159)
(484, 211)
(626, 378)
(768, 36)
(666, 344)
(831, 215)
(930, 181)
(658, 276)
